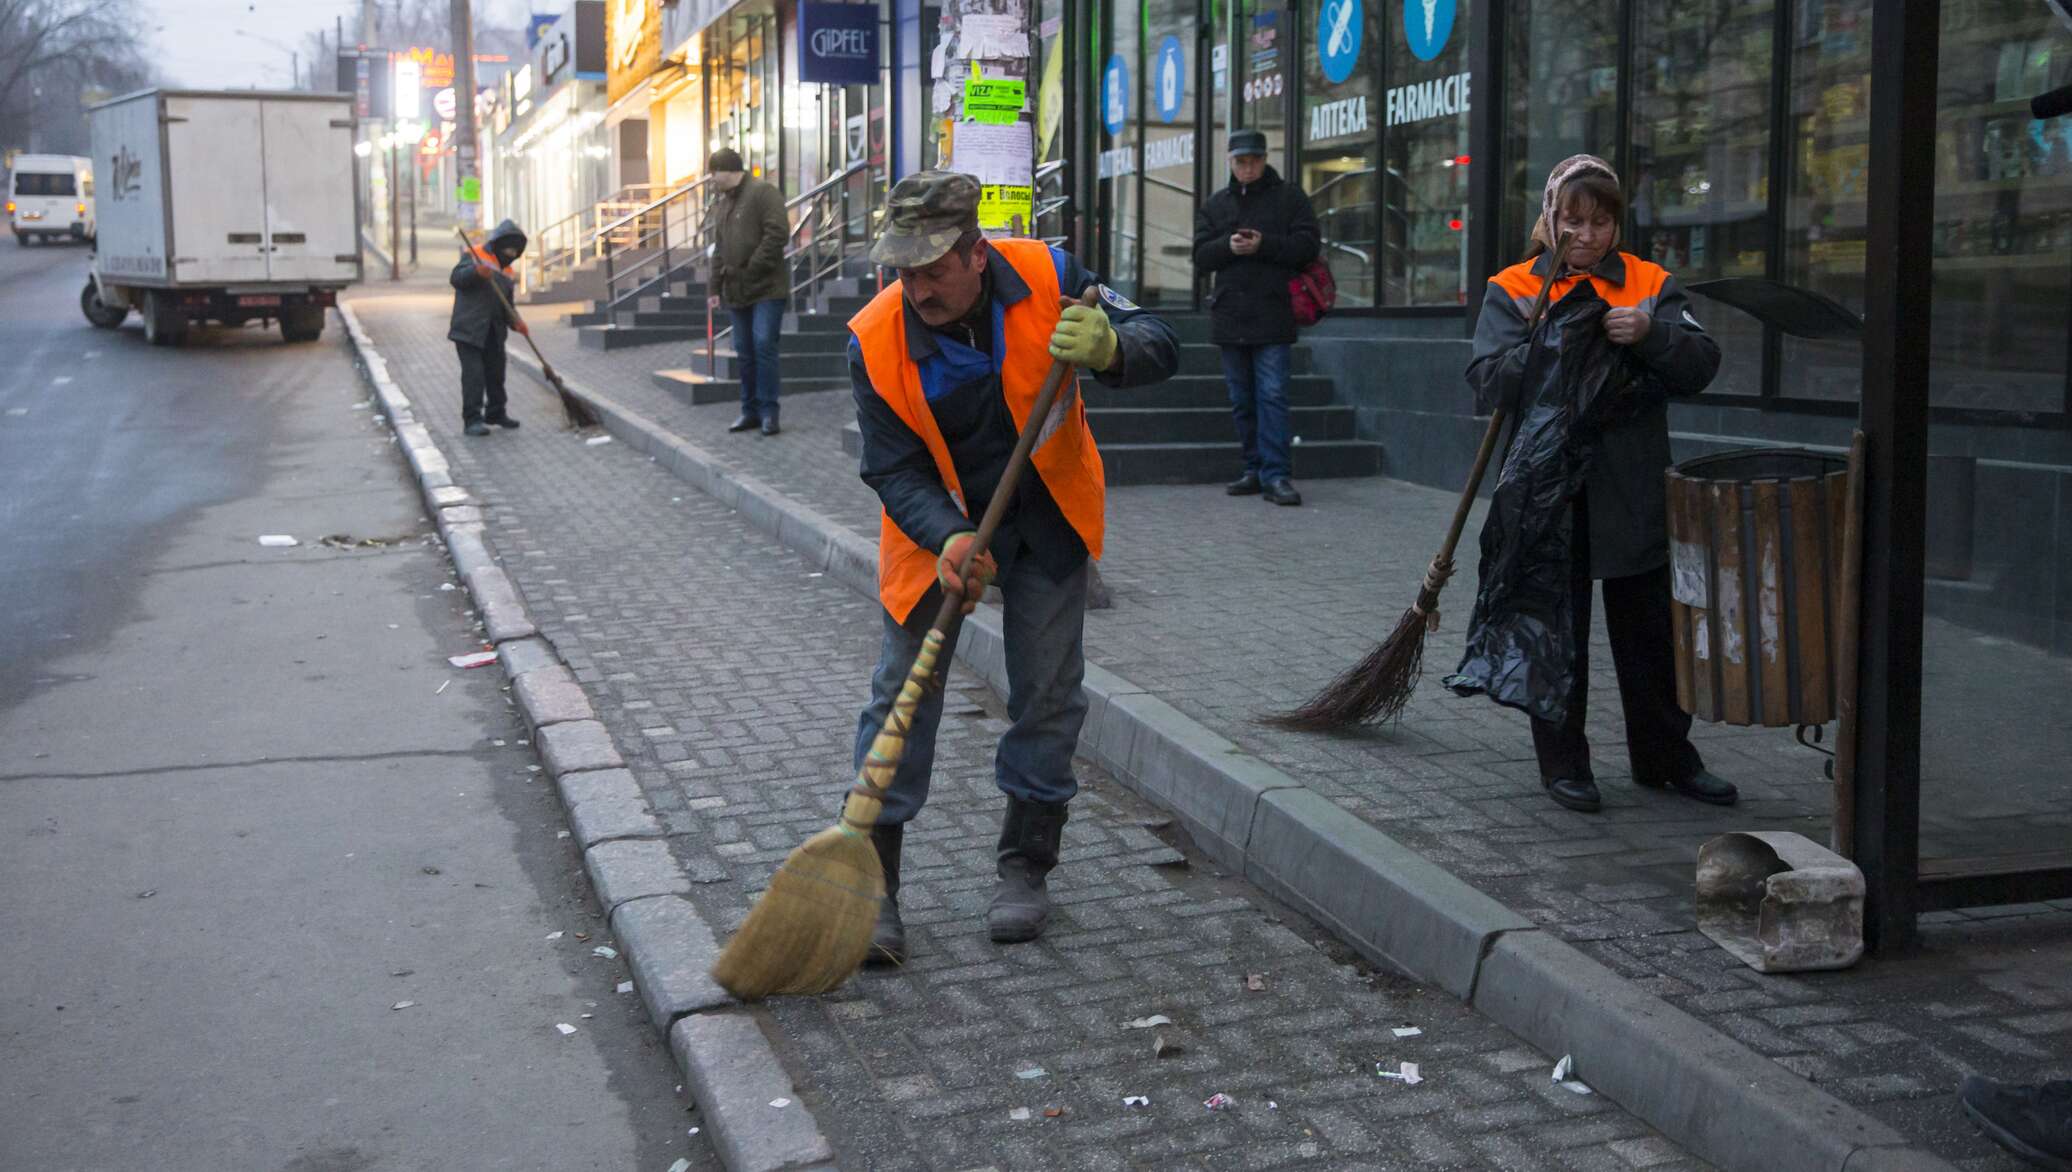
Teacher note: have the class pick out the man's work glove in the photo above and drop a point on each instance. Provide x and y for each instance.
(1084, 338)
(973, 586)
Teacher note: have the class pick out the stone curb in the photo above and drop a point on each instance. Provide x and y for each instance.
(667, 944)
(1689, 1081)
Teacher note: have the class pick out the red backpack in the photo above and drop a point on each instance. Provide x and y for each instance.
(1313, 292)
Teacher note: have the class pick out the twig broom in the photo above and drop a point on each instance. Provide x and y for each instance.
(1377, 687)
(812, 927)
(573, 409)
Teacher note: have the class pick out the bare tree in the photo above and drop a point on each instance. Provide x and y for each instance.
(54, 54)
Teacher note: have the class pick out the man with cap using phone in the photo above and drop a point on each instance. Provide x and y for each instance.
(945, 365)
(748, 279)
(1256, 235)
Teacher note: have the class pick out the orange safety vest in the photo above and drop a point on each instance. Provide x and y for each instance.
(489, 258)
(1068, 461)
(1643, 284)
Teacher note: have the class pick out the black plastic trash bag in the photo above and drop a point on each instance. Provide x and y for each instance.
(1521, 638)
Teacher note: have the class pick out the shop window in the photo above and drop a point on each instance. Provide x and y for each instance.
(1338, 164)
(1119, 103)
(1262, 74)
(1562, 81)
(1828, 121)
(1169, 102)
(1422, 239)
(1699, 169)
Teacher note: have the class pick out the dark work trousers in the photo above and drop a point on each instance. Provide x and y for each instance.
(1636, 614)
(481, 372)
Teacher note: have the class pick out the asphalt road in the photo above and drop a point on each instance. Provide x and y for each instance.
(246, 806)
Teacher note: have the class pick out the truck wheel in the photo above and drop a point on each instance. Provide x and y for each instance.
(22, 238)
(101, 314)
(302, 323)
(164, 324)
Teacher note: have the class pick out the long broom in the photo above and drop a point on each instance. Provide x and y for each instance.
(1377, 687)
(573, 409)
(812, 927)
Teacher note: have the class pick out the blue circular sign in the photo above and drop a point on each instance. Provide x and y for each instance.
(1340, 26)
(1169, 79)
(1427, 23)
(1115, 94)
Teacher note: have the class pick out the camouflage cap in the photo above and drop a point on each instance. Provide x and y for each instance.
(925, 214)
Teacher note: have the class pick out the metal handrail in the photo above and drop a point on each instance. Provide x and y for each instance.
(817, 215)
(542, 263)
(654, 242)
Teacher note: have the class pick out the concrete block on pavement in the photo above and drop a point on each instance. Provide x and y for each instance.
(465, 546)
(1780, 902)
(577, 745)
(1207, 781)
(732, 1072)
(672, 952)
(1664, 1066)
(550, 695)
(604, 804)
(633, 868)
(523, 656)
(1373, 890)
(503, 614)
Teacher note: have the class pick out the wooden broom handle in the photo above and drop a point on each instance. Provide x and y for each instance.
(1024, 449)
(1498, 417)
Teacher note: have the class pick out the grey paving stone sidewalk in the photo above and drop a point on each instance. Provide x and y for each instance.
(1227, 608)
(730, 675)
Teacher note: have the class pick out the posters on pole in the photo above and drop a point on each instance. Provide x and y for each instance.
(994, 155)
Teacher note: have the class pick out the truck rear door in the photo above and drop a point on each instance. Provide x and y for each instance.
(309, 191)
(219, 189)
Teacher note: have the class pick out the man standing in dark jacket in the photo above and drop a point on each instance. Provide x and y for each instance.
(1256, 235)
(749, 279)
(480, 323)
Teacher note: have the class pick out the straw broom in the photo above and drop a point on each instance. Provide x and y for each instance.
(1377, 687)
(812, 927)
(573, 409)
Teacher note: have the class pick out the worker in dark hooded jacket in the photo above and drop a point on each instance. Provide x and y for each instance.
(480, 324)
(1619, 521)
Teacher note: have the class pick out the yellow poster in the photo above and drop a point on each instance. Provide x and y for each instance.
(1050, 97)
(1001, 207)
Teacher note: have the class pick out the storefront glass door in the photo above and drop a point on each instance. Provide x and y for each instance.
(1119, 110)
(1169, 102)
(1337, 164)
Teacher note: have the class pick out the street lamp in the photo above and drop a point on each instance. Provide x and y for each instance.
(294, 56)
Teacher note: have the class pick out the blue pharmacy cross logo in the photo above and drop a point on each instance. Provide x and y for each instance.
(1340, 24)
(1169, 77)
(1115, 94)
(1427, 23)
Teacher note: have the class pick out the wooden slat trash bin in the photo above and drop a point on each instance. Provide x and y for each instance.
(1755, 542)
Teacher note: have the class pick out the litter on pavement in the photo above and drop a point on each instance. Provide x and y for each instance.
(1021, 1114)
(1407, 1032)
(1032, 1072)
(565, 1028)
(1562, 1071)
(597, 440)
(1256, 982)
(625, 986)
(1145, 1023)
(277, 540)
(448, 586)
(1136, 1100)
(1405, 1074)
(1053, 1112)
(780, 1102)
(1219, 1102)
(1160, 1048)
(473, 659)
(442, 688)
(553, 935)
(606, 951)
(681, 1165)
(402, 1005)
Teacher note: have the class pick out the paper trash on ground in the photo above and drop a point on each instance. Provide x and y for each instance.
(565, 1028)
(472, 659)
(1406, 1073)
(625, 986)
(598, 440)
(1031, 1072)
(1136, 1100)
(1145, 1023)
(1407, 1032)
(1021, 1114)
(1219, 1102)
(277, 540)
(402, 1005)
(1562, 1072)
(780, 1103)
(682, 1165)
(1256, 982)
(606, 951)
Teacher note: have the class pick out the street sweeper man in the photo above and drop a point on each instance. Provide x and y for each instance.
(946, 365)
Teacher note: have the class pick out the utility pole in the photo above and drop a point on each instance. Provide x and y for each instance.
(416, 170)
(395, 213)
(467, 174)
(987, 132)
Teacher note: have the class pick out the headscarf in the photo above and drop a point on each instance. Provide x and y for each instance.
(1567, 169)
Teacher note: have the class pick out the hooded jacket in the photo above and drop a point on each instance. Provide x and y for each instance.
(479, 318)
(1250, 305)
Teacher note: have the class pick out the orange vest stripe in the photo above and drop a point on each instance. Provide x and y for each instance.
(1068, 461)
(1644, 280)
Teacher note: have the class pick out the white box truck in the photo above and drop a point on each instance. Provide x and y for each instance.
(222, 206)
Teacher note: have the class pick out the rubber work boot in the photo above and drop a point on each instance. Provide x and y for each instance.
(2033, 1122)
(888, 939)
(1029, 839)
